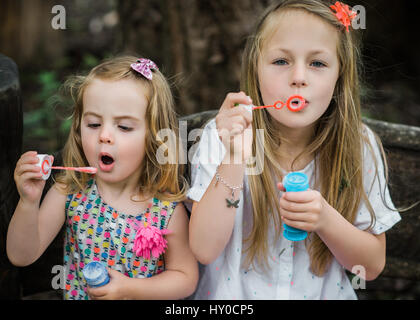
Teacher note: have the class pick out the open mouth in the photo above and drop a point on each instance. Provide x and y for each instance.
(106, 162)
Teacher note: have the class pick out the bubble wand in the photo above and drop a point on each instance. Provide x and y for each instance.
(294, 103)
(90, 170)
(44, 162)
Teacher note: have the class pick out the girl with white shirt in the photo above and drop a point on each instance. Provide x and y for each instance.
(305, 48)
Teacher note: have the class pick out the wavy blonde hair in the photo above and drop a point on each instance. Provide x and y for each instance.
(337, 142)
(163, 181)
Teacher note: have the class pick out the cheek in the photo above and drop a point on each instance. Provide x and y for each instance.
(271, 90)
(134, 148)
(88, 144)
(325, 93)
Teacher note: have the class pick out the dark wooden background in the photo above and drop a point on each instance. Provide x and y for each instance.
(198, 44)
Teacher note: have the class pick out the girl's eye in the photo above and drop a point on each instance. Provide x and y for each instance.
(280, 62)
(93, 125)
(125, 128)
(318, 64)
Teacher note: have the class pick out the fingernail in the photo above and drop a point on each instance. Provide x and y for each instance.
(249, 99)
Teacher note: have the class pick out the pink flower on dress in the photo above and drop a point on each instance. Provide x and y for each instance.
(149, 240)
(343, 14)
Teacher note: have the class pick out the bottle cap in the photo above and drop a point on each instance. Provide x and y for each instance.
(296, 181)
(44, 162)
(96, 275)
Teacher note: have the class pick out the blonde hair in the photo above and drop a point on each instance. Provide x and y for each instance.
(337, 142)
(163, 181)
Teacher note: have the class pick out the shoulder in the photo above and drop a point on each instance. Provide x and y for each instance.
(372, 146)
(179, 218)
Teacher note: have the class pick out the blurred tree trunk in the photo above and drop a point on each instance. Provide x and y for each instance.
(26, 32)
(200, 42)
(11, 127)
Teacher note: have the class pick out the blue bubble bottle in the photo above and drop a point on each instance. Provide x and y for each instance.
(96, 274)
(295, 182)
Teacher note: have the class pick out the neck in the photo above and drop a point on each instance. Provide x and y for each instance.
(125, 189)
(294, 142)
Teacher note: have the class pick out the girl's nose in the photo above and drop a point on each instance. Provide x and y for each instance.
(299, 83)
(106, 136)
(298, 77)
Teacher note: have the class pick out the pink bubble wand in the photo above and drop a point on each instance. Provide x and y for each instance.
(90, 170)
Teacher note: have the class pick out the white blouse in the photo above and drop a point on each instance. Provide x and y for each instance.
(289, 276)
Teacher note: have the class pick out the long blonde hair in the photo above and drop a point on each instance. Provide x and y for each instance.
(337, 141)
(163, 181)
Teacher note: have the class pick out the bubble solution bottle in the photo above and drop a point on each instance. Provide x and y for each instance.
(95, 274)
(295, 182)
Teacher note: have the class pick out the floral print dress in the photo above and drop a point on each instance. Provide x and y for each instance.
(97, 232)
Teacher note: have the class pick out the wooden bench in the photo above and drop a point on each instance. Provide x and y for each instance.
(399, 279)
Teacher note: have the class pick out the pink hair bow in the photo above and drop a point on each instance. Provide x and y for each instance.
(144, 67)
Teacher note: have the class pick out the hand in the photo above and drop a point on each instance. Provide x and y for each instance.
(303, 210)
(113, 290)
(28, 177)
(234, 125)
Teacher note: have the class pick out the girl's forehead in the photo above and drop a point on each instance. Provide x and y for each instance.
(298, 28)
(123, 95)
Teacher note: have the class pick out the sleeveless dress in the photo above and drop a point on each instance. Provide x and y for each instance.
(97, 232)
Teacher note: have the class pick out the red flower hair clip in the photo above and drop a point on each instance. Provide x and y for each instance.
(344, 14)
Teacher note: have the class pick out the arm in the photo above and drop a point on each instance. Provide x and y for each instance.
(33, 227)
(212, 221)
(309, 211)
(352, 246)
(179, 279)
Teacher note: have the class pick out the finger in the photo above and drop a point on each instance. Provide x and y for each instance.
(297, 224)
(296, 216)
(240, 111)
(237, 129)
(230, 123)
(27, 168)
(27, 158)
(239, 120)
(280, 186)
(233, 98)
(301, 196)
(238, 125)
(96, 293)
(31, 175)
(29, 153)
(293, 206)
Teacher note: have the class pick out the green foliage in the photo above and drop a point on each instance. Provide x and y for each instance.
(48, 122)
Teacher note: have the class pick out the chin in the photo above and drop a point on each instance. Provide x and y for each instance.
(296, 122)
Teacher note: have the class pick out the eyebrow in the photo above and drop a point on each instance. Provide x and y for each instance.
(90, 113)
(313, 52)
